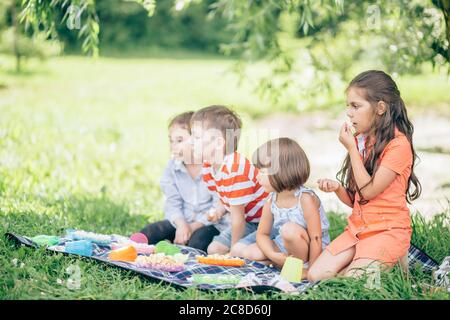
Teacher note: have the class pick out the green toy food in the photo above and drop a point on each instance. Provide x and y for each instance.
(44, 240)
(216, 279)
(167, 248)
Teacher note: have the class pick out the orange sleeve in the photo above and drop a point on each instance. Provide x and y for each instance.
(397, 155)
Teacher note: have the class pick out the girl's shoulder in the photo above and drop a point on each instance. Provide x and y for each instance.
(399, 144)
(397, 155)
(309, 198)
(399, 138)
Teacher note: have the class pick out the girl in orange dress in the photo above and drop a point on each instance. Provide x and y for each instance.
(376, 179)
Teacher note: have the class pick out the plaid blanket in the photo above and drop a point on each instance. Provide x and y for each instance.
(255, 276)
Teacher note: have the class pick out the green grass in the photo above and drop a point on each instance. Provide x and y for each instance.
(38, 277)
(83, 144)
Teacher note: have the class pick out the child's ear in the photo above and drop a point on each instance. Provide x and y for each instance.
(381, 107)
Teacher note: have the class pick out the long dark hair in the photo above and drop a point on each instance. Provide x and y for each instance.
(379, 86)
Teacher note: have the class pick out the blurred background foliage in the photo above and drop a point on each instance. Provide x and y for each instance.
(296, 53)
(127, 25)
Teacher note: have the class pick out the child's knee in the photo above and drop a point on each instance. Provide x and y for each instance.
(314, 274)
(238, 250)
(404, 263)
(291, 232)
(247, 251)
(217, 248)
(255, 255)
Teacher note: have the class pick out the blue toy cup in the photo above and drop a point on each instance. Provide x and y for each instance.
(69, 234)
(80, 247)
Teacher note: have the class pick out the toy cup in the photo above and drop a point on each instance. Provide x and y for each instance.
(292, 269)
(139, 238)
(128, 254)
(80, 247)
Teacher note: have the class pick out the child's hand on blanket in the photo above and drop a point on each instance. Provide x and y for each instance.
(328, 185)
(183, 233)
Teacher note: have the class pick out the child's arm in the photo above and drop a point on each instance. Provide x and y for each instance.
(328, 185)
(173, 203)
(237, 223)
(194, 226)
(343, 195)
(173, 208)
(263, 236)
(220, 209)
(369, 187)
(212, 216)
(310, 206)
(216, 212)
(183, 231)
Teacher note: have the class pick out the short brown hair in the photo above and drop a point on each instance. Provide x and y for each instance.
(224, 119)
(183, 120)
(289, 161)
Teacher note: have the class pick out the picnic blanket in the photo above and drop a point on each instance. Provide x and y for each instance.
(253, 275)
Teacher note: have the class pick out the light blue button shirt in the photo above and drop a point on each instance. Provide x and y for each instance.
(185, 197)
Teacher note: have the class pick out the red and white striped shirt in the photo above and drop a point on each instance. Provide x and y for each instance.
(235, 183)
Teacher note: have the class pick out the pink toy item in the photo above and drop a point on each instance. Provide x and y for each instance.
(139, 238)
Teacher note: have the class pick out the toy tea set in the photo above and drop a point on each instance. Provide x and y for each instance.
(163, 256)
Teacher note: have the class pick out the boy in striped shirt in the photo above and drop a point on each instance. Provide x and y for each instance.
(216, 132)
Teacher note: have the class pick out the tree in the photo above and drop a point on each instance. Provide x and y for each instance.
(444, 6)
(255, 21)
(43, 16)
(15, 41)
(333, 34)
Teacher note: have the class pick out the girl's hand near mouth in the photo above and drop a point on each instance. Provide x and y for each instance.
(346, 137)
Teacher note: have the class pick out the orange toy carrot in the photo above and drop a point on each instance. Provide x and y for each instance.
(225, 261)
(123, 254)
